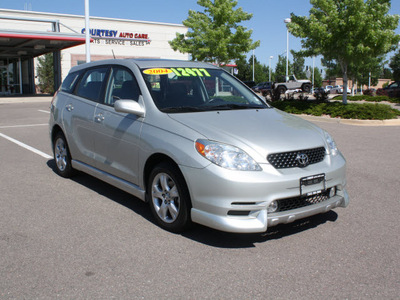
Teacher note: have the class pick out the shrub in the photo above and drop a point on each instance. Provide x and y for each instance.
(369, 92)
(370, 98)
(382, 92)
(365, 111)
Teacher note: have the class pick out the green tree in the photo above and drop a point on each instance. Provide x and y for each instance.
(261, 72)
(395, 66)
(245, 70)
(280, 68)
(387, 73)
(317, 77)
(347, 31)
(332, 69)
(45, 73)
(298, 65)
(215, 34)
(368, 71)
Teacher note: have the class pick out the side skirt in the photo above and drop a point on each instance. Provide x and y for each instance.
(106, 177)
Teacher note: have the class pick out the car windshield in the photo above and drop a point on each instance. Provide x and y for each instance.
(179, 90)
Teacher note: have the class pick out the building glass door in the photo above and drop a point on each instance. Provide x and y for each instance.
(10, 77)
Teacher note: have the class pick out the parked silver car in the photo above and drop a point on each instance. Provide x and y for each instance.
(194, 142)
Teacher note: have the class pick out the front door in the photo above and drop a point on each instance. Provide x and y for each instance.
(117, 134)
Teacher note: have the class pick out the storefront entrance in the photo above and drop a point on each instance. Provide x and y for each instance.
(10, 77)
(18, 49)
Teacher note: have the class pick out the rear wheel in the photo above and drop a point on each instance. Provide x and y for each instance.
(306, 88)
(169, 197)
(62, 156)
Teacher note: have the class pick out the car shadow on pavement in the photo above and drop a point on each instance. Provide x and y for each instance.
(199, 233)
(220, 239)
(119, 196)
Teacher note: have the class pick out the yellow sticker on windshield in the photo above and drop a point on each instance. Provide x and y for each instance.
(157, 71)
(190, 72)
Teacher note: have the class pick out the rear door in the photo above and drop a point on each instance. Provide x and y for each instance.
(117, 134)
(78, 114)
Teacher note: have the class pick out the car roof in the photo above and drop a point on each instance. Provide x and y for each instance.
(146, 63)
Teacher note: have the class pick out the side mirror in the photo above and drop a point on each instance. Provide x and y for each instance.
(129, 107)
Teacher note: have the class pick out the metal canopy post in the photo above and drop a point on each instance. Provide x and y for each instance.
(57, 69)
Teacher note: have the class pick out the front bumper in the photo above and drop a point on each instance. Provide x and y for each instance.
(261, 220)
(235, 201)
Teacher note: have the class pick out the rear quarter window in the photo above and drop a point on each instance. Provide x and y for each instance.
(91, 85)
(69, 82)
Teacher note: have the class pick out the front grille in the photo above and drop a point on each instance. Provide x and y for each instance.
(288, 159)
(298, 202)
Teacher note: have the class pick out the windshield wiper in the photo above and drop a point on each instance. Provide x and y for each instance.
(234, 106)
(178, 109)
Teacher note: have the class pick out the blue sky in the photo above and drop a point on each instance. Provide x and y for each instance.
(267, 22)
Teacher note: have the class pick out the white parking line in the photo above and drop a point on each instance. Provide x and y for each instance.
(26, 146)
(29, 125)
(44, 111)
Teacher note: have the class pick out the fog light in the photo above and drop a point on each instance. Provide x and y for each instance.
(272, 207)
(332, 192)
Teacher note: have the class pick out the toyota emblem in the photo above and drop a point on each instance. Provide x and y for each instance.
(302, 159)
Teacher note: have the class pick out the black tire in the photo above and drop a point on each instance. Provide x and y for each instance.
(62, 156)
(306, 88)
(281, 89)
(169, 198)
(267, 93)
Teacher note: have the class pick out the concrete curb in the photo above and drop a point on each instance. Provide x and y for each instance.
(10, 100)
(391, 122)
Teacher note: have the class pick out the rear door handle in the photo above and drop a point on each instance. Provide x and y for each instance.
(69, 107)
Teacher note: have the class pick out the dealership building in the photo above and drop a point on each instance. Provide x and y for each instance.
(26, 35)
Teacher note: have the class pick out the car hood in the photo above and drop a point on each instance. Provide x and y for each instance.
(258, 132)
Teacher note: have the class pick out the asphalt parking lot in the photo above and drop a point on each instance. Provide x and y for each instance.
(82, 238)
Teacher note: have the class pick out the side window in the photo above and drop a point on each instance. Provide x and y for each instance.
(90, 86)
(69, 82)
(122, 85)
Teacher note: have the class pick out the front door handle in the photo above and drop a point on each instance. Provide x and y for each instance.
(99, 118)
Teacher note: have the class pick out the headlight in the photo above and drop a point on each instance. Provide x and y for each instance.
(226, 156)
(331, 144)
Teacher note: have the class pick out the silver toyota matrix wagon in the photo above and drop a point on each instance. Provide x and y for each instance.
(195, 143)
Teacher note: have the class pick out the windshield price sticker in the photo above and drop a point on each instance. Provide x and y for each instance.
(190, 72)
(157, 71)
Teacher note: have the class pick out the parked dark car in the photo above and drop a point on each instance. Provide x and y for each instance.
(257, 87)
(319, 90)
(392, 90)
(264, 88)
(321, 93)
(250, 83)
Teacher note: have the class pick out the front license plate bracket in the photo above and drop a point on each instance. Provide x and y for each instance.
(312, 185)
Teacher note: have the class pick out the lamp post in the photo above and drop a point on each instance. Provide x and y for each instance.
(313, 69)
(87, 31)
(287, 20)
(253, 64)
(270, 58)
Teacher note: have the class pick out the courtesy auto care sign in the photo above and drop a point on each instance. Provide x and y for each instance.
(115, 37)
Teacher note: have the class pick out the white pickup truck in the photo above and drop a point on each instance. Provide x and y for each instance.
(292, 83)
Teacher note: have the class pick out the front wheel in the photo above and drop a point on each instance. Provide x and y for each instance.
(169, 198)
(281, 89)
